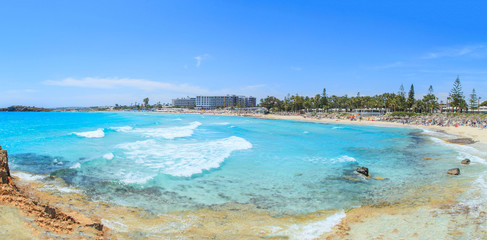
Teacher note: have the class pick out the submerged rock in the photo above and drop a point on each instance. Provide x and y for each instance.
(454, 171)
(466, 161)
(380, 178)
(363, 170)
(461, 141)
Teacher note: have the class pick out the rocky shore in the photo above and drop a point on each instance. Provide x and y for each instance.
(23, 109)
(39, 219)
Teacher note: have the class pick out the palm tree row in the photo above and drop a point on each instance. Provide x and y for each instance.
(391, 101)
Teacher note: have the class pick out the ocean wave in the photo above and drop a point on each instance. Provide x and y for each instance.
(137, 178)
(315, 229)
(28, 176)
(122, 129)
(342, 159)
(108, 156)
(182, 160)
(464, 151)
(77, 165)
(171, 132)
(99, 133)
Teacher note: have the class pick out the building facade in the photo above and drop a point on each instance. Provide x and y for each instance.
(184, 102)
(213, 102)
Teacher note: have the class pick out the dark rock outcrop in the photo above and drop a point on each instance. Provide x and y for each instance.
(454, 171)
(466, 161)
(461, 141)
(4, 170)
(23, 109)
(363, 170)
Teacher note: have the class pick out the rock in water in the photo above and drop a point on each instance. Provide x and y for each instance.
(461, 141)
(454, 171)
(363, 170)
(4, 170)
(466, 161)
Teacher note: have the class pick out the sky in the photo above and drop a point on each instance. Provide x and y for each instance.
(96, 53)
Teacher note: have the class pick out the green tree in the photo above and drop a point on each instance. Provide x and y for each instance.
(430, 100)
(456, 95)
(324, 99)
(146, 102)
(473, 100)
(411, 97)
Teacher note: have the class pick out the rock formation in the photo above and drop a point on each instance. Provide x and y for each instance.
(461, 141)
(4, 170)
(454, 171)
(466, 161)
(363, 170)
(49, 218)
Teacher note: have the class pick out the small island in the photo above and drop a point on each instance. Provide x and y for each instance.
(23, 109)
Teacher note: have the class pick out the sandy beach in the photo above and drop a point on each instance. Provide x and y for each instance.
(477, 134)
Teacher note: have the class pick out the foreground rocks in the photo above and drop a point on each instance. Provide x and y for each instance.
(364, 171)
(454, 171)
(41, 217)
(4, 170)
(461, 141)
(465, 161)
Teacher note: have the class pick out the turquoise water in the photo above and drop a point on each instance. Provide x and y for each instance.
(168, 162)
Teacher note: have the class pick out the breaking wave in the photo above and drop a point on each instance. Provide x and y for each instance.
(171, 132)
(182, 160)
(91, 134)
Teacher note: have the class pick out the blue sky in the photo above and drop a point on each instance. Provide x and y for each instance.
(84, 53)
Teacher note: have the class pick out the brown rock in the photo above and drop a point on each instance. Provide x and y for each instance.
(4, 169)
(461, 141)
(466, 161)
(363, 170)
(454, 171)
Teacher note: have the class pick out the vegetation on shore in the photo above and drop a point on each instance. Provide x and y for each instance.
(393, 101)
(23, 109)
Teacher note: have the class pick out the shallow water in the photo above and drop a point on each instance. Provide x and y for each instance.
(169, 162)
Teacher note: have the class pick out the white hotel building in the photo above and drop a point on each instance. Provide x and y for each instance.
(213, 102)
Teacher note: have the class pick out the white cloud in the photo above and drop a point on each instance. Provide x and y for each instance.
(200, 58)
(474, 51)
(141, 84)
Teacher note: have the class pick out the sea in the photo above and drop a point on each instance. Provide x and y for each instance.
(165, 162)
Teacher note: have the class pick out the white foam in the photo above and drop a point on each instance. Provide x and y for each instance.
(61, 189)
(463, 151)
(28, 176)
(171, 132)
(315, 229)
(305, 132)
(77, 165)
(182, 160)
(343, 158)
(91, 134)
(120, 227)
(108, 156)
(222, 123)
(337, 127)
(137, 178)
(122, 129)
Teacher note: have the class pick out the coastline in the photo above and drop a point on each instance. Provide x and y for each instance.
(477, 134)
(225, 221)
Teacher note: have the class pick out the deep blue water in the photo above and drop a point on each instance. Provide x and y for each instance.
(168, 162)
